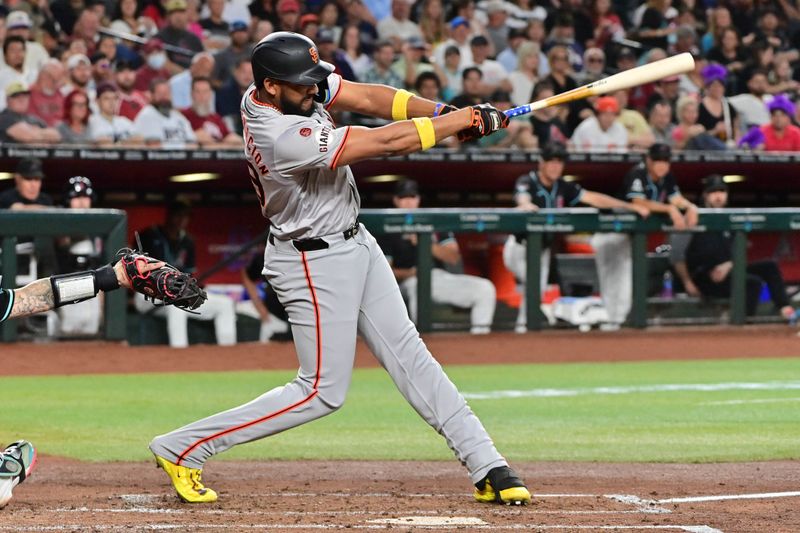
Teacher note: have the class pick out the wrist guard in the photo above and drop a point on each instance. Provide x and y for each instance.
(80, 286)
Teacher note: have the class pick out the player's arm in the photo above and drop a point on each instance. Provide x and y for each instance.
(446, 251)
(382, 101)
(604, 201)
(252, 292)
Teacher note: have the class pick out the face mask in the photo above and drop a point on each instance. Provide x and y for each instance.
(156, 61)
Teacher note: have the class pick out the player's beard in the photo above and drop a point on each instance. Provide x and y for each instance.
(290, 108)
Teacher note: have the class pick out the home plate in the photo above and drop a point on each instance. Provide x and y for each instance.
(431, 521)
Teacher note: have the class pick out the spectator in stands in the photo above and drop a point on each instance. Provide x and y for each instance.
(535, 32)
(525, 76)
(225, 60)
(75, 126)
(208, 126)
(508, 57)
(655, 28)
(751, 105)
(429, 86)
(381, 71)
(594, 65)
(561, 80)
(329, 18)
(359, 15)
(27, 193)
(547, 123)
(563, 36)
(472, 92)
(685, 40)
(107, 45)
(466, 10)
(432, 22)
(709, 259)
(496, 27)
(131, 101)
(780, 135)
(639, 133)
(229, 97)
(85, 30)
(397, 27)
(661, 122)
(155, 65)
(729, 53)
(176, 33)
(19, 23)
(518, 134)
(14, 70)
(650, 185)
(453, 72)
(273, 316)
(309, 25)
(16, 125)
(107, 127)
(472, 292)
(719, 19)
(414, 61)
(667, 89)
(181, 84)
(689, 134)
(768, 30)
(329, 52)
(46, 100)
(127, 19)
(494, 75)
(177, 248)
(353, 51)
(601, 132)
(216, 29)
(459, 37)
(101, 69)
(288, 15)
(79, 71)
(781, 78)
(716, 115)
(607, 24)
(162, 126)
(762, 56)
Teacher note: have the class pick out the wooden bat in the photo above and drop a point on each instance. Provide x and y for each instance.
(651, 72)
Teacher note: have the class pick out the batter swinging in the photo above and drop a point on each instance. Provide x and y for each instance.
(327, 269)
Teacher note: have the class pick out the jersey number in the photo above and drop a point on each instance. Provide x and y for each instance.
(257, 184)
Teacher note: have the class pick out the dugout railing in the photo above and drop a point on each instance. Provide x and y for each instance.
(425, 222)
(111, 225)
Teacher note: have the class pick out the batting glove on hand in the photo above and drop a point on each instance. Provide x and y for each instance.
(486, 119)
(447, 108)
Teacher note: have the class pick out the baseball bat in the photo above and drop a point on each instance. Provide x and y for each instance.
(143, 40)
(651, 72)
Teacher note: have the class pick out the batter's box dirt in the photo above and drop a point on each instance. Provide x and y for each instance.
(65, 495)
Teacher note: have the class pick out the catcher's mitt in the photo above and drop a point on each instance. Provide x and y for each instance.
(164, 286)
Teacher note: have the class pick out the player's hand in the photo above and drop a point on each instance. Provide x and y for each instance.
(692, 216)
(641, 210)
(530, 208)
(691, 288)
(122, 277)
(721, 271)
(678, 221)
(486, 119)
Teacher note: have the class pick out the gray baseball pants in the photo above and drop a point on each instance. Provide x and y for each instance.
(332, 295)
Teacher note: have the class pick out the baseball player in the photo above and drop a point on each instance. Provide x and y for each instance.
(327, 269)
(649, 184)
(132, 271)
(546, 189)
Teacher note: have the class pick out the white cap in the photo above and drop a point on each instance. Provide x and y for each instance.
(76, 60)
(495, 6)
(18, 19)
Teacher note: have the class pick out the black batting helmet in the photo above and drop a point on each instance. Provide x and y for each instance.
(288, 56)
(78, 186)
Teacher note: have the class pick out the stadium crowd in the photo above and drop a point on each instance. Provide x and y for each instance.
(170, 73)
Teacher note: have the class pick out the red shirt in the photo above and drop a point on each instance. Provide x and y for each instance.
(145, 75)
(131, 104)
(789, 142)
(212, 124)
(49, 108)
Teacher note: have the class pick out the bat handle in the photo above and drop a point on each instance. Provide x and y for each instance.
(517, 111)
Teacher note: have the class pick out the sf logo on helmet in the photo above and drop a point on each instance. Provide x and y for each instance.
(314, 54)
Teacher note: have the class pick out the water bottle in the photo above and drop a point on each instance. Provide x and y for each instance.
(666, 287)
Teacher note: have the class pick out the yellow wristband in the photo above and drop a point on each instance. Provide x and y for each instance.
(427, 135)
(400, 105)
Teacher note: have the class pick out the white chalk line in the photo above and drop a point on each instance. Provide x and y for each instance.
(633, 389)
(643, 502)
(284, 527)
(500, 512)
(743, 402)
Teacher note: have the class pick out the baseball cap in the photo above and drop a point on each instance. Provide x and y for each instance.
(458, 21)
(495, 6)
(553, 150)
(30, 168)
(16, 88)
(76, 60)
(288, 6)
(308, 18)
(18, 19)
(238, 25)
(175, 5)
(77, 187)
(714, 182)
(105, 88)
(406, 188)
(416, 42)
(659, 152)
(626, 53)
(607, 104)
(153, 45)
(479, 40)
(325, 35)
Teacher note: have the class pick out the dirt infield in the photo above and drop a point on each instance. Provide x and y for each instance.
(67, 495)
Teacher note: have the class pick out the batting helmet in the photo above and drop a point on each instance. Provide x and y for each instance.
(553, 150)
(290, 57)
(78, 186)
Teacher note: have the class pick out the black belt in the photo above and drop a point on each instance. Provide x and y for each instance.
(309, 245)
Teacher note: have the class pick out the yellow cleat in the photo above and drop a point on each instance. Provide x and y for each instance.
(187, 482)
(512, 490)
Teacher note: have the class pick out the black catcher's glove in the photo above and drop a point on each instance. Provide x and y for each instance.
(164, 286)
(486, 119)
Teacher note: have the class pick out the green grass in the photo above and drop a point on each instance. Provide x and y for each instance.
(113, 417)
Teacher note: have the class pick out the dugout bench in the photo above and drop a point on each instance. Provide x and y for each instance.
(109, 224)
(425, 222)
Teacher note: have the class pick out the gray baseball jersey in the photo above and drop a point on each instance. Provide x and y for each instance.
(335, 285)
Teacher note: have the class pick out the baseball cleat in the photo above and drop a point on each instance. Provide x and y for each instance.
(187, 482)
(16, 464)
(502, 485)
